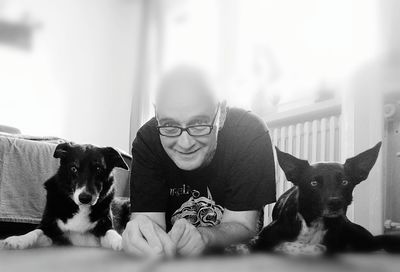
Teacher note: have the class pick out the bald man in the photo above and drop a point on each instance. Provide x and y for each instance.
(201, 172)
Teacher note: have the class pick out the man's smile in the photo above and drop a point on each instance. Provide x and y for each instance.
(187, 153)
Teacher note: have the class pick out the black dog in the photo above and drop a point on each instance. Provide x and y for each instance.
(310, 218)
(78, 201)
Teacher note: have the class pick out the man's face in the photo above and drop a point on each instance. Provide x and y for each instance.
(185, 109)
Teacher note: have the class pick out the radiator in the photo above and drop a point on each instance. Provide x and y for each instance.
(313, 140)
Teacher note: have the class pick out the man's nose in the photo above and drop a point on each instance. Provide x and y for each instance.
(185, 140)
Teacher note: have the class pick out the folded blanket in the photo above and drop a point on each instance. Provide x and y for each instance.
(48, 139)
(26, 162)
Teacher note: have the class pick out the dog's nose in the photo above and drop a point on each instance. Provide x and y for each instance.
(85, 198)
(335, 203)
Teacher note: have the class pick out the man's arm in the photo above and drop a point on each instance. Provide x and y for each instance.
(145, 234)
(235, 227)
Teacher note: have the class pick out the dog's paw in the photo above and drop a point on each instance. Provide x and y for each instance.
(18, 242)
(31, 239)
(112, 240)
(239, 249)
(315, 250)
(23, 241)
(300, 249)
(44, 241)
(11, 243)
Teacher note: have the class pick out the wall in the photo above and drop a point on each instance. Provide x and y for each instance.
(363, 122)
(77, 80)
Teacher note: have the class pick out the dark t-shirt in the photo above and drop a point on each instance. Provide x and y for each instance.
(240, 177)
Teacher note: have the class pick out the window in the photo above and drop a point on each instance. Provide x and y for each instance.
(265, 52)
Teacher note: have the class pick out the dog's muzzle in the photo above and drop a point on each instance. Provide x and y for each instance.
(334, 207)
(82, 197)
(85, 198)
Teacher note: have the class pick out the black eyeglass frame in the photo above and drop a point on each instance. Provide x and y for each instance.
(181, 129)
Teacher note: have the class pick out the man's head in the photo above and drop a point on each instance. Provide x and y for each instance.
(186, 99)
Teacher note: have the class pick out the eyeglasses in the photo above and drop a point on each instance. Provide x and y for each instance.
(196, 130)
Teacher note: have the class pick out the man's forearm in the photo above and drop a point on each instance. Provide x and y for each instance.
(226, 234)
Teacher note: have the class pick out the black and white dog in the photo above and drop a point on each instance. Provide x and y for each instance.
(78, 201)
(310, 218)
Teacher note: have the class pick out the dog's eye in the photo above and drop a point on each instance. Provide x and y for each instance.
(74, 169)
(98, 168)
(314, 183)
(345, 182)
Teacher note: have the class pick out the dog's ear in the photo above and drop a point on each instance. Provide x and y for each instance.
(358, 167)
(114, 158)
(292, 166)
(61, 150)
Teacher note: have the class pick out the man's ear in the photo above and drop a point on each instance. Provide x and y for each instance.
(62, 150)
(292, 166)
(222, 114)
(358, 167)
(114, 158)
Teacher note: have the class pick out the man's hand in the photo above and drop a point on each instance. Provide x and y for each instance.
(143, 237)
(189, 241)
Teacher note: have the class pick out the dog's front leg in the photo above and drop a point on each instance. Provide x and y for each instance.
(285, 228)
(109, 238)
(35, 238)
(112, 240)
(359, 239)
(269, 237)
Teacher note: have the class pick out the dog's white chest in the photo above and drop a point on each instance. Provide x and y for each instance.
(313, 234)
(80, 222)
(308, 242)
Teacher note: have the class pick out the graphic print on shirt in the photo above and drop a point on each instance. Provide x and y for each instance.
(200, 211)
